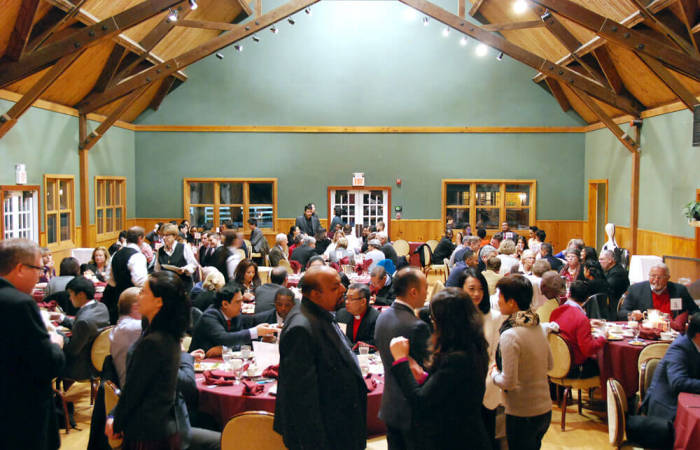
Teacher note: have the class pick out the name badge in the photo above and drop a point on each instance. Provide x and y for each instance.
(343, 327)
(676, 304)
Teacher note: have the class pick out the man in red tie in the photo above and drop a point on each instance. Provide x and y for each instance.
(359, 318)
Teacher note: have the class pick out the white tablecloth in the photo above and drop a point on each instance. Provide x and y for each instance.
(640, 265)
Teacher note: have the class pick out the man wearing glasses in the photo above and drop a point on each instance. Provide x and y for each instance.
(31, 357)
(359, 318)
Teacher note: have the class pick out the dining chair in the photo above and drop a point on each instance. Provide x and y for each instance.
(646, 374)
(98, 352)
(402, 248)
(251, 430)
(112, 394)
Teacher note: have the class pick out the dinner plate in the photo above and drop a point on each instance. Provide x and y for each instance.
(615, 337)
(637, 343)
(205, 365)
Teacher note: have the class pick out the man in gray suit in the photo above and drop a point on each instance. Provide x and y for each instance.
(410, 286)
(265, 294)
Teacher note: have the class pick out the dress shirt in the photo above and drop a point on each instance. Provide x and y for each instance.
(280, 320)
(253, 331)
(126, 332)
(232, 262)
(187, 253)
(137, 265)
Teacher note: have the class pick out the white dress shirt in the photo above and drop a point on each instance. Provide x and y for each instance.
(187, 253)
(137, 265)
(123, 335)
(232, 262)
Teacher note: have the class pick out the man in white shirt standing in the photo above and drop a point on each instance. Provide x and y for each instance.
(127, 268)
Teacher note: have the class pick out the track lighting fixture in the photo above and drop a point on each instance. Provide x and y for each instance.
(500, 56)
(520, 6)
(256, 39)
(307, 11)
(238, 47)
(220, 56)
(425, 21)
(481, 50)
(193, 4)
(463, 41)
(274, 30)
(445, 32)
(291, 21)
(172, 15)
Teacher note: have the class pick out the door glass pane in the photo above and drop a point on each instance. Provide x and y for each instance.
(109, 193)
(517, 195)
(487, 218)
(230, 193)
(459, 215)
(109, 226)
(263, 214)
(65, 226)
(488, 195)
(51, 229)
(518, 219)
(100, 193)
(200, 215)
(457, 194)
(118, 192)
(232, 213)
(118, 225)
(50, 195)
(201, 192)
(100, 221)
(260, 193)
(63, 194)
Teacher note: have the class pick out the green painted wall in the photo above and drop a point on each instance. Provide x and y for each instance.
(669, 173)
(47, 142)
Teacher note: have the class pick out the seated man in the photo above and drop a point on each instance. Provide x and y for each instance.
(90, 318)
(656, 294)
(280, 251)
(552, 287)
(222, 323)
(444, 248)
(265, 294)
(374, 252)
(469, 260)
(617, 277)
(283, 303)
(359, 318)
(305, 252)
(381, 287)
(575, 328)
(126, 332)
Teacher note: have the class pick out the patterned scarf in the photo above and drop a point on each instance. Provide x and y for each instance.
(520, 319)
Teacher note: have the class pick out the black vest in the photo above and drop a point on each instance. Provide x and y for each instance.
(120, 268)
(176, 259)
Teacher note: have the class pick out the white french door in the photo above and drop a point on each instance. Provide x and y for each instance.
(363, 207)
(20, 214)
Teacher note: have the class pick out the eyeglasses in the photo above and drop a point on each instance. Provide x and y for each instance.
(33, 266)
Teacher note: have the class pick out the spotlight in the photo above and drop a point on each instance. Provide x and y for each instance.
(445, 32)
(481, 50)
(425, 21)
(463, 41)
(220, 56)
(291, 21)
(520, 6)
(239, 48)
(500, 56)
(274, 30)
(193, 4)
(307, 11)
(256, 39)
(172, 15)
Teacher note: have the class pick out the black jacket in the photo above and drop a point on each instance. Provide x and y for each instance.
(443, 250)
(639, 297)
(302, 255)
(321, 395)
(555, 263)
(265, 297)
(88, 322)
(308, 228)
(386, 295)
(29, 361)
(390, 253)
(365, 332)
(212, 330)
(619, 281)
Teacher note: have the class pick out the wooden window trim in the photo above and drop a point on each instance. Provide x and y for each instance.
(217, 199)
(532, 208)
(110, 235)
(60, 245)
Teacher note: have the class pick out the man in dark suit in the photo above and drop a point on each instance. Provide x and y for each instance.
(381, 286)
(257, 239)
(266, 293)
(321, 395)
(30, 357)
(283, 304)
(411, 287)
(359, 318)
(657, 293)
(308, 222)
(280, 251)
(89, 320)
(617, 277)
(388, 250)
(444, 248)
(546, 253)
(222, 323)
(303, 253)
(208, 248)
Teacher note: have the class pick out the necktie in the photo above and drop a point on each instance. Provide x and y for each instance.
(228, 325)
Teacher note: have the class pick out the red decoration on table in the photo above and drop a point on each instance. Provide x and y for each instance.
(252, 388)
(344, 261)
(680, 322)
(335, 266)
(362, 268)
(210, 377)
(272, 372)
(651, 334)
(370, 382)
(296, 267)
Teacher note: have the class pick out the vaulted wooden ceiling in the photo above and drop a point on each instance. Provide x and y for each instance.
(55, 49)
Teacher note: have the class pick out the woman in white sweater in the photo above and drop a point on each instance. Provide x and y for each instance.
(522, 362)
(474, 284)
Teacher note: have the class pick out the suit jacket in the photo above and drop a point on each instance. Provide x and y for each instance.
(398, 320)
(386, 295)
(88, 322)
(304, 225)
(266, 317)
(555, 263)
(619, 281)
(276, 255)
(365, 333)
(443, 250)
(639, 297)
(576, 330)
(447, 407)
(206, 256)
(29, 361)
(212, 330)
(678, 371)
(302, 255)
(258, 241)
(321, 395)
(390, 253)
(265, 297)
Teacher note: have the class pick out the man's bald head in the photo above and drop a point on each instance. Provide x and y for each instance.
(323, 287)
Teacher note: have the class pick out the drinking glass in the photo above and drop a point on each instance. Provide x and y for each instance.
(636, 335)
(364, 350)
(245, 351)
(237, 370)
(227, 355)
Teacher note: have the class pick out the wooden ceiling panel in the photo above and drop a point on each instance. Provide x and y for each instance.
(10, 9)
(576, 103)
(613, 9)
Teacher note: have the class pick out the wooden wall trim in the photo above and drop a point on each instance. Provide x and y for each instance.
(352, 130)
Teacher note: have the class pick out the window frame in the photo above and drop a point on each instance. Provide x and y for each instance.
(217, 199)
(4, 189)
(59, 244)
(473, 206)
(121, 183)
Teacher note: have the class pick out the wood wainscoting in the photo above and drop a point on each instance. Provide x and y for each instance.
(655, 243)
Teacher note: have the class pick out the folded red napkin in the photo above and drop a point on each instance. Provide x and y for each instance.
(272, 372)
(252, 388)
(679, 323)
(212, 378)
(335, 266)
(50, 306)
(362, 268)
(344, 261)
(296, 267)
(370, 382)
(651, 334)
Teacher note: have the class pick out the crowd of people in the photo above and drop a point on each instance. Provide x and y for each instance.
(451, 360)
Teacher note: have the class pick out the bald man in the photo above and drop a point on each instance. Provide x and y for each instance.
(321, 395)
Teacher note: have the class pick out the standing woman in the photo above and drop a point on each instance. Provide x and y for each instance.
(523, 359)
(177, 255)
(145, 414)
(474, 284)
(447, 405)
(99, 262)
(247, 276)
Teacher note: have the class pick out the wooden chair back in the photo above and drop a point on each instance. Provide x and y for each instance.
(284, 263)
(111, 399)
(427, 254)
(646, 374)
(251, 430)
(436, 287)
(561, 355)
(446, 262)
(655, 350)
(100, 349)
(185, 343)
(402, 248)
(249, 246)
(241, 253)
(621, 301)
(617, 403)
(432, 243)
(264, 276)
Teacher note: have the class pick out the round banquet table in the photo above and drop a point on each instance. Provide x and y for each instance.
(618, 359)
(224, 402)
(687, 424)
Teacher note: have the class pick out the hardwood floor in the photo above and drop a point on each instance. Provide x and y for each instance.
(586, 432)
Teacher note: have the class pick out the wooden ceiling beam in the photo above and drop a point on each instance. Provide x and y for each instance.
(207, 25)
(624, 36)
(626, 140)
(558, 93)
(22, 29)
(687, 12)
(122, 39)
(513, 25)
(162, 92)
(10, 118)
(657, 24)
(597, 41)
(43, 37)
(80, 39)
(475, 7)
(562, 74)
(160, 71)
(605, 61)
(110, 68)
(671, 82)
(100, 131)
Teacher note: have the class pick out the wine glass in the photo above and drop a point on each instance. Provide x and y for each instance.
(237, 370)
(245, 351)
(227, 355)
(636, 334)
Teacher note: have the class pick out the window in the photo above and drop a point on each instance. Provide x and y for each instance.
(20, 212)
(488, 203)
(215, 200)
(59, 198)
(110, 206)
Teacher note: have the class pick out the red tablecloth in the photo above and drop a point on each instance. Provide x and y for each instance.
(618, 359)
(414, 259)
(224, 402)
(39, 293)
(687, 424)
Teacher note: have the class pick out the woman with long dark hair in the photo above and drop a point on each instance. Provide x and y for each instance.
(247, 276)
(447, 405)
(145, 412)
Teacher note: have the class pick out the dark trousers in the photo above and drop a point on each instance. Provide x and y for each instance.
(526, 433)
(398, 439)
(489, 418)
